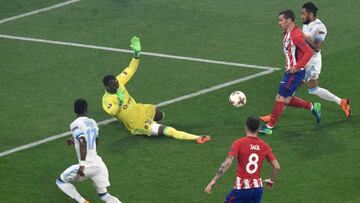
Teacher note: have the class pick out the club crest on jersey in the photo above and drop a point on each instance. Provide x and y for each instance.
(255, 147)
(109, 106)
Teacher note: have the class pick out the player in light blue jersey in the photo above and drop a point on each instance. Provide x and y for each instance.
(85, 133)
(315, 32)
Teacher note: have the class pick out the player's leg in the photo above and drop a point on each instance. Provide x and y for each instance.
(64, 183)
(322, 93)
(325, 94)
(232, 197)
(300, 103)
(158, 129)
(101, 182)
(278, 107)
(312, 77)
(256, 195)
(287, 88)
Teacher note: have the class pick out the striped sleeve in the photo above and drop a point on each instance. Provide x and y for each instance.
(77, 133)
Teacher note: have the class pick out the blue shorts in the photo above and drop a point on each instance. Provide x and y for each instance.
(244, 196)
(290, 82)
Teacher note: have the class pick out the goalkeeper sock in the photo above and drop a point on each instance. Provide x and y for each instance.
(180, 135)
(70, 190)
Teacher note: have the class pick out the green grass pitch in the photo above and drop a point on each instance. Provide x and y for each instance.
(39, 82)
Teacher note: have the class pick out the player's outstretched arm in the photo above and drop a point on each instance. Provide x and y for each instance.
(223, 168)
(125, 76)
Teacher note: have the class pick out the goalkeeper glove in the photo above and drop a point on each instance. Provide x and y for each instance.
(135, 45)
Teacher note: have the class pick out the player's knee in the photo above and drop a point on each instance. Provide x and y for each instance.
(158, 115)
(313, 90)
(59, 181)
(281, 99)
(287, 100)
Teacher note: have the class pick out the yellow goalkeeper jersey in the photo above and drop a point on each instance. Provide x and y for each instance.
(121, 105)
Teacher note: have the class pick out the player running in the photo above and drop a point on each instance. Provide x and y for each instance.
(139, 119)
(85, 139)
(297, 55)
(250, 152)
(315, 32)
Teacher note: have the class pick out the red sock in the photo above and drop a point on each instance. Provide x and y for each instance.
(299, 103)
(276, 113)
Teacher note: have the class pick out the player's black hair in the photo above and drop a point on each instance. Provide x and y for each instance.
(310, 7)
(288, 13)
(107, 78)
(252, 124)
(80, 106)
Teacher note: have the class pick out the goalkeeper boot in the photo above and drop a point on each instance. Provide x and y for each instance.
(203, 139)
(317, 111)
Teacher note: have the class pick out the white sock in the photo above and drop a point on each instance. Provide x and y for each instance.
(325, 94)
(70, 190)
(109, 198)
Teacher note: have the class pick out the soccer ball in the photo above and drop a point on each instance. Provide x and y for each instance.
(237, 99)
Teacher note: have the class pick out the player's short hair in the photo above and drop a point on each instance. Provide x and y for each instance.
(107, 78)
(252, 124)
(80, 106)
(310, 7)
(288, 13)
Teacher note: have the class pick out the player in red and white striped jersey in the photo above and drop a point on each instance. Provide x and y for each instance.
(250, 152)
(297, 55)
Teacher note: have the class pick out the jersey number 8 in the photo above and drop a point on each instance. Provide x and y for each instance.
(253, 163)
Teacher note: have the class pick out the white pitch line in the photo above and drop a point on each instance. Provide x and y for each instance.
(165, 103)
(185, 58)
(38, 11)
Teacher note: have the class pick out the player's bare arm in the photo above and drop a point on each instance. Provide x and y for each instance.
(275, 172)
(223, 168)
(83, 152)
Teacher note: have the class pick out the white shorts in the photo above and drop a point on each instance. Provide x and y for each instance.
(98, 173)
(313, 68)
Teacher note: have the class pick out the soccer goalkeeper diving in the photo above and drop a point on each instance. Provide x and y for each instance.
(139, 119)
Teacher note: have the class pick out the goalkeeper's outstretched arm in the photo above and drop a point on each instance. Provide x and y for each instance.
(125, 76)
